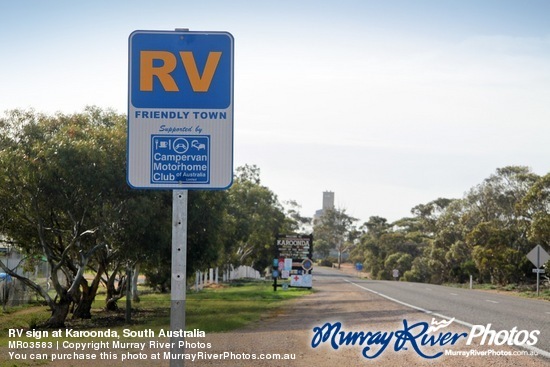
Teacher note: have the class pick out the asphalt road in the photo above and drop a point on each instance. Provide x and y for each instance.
(468, 307)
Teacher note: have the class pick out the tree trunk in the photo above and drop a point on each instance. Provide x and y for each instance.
(59, 313)
(60, 309)
(84, 308)
(135, 276)
(111, 304)
(114, 293)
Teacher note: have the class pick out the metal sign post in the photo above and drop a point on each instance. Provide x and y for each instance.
(538, 274)
(179, 267)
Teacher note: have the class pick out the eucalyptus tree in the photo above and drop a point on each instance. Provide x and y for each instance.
(499, 236)
(535, 207)
(254, 218)
(338, 229)
(206, 219)
(369, 250)
(63, 187)
(297, 223)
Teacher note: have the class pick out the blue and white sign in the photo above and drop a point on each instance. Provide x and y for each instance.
(180, 110)
(180, 159)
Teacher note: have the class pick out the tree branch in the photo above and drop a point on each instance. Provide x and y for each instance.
(36, 287)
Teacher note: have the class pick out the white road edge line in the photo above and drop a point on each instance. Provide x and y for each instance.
(464, 323)
(490, 300)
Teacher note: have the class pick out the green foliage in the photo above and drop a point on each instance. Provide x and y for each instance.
(221, 309)
(233, 307)
(536, 207)
(386, 247)
(63, 179)
(254, 218)
(322, 248)
(419, 272)
(64, 194)
(486, 234)
(335, 230)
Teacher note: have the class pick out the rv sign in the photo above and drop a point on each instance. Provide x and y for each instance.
(180, 110)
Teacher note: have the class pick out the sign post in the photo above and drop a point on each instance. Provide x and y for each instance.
(180, 131)
(538, 257)
(179, 268)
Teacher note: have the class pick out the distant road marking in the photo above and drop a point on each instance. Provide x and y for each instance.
(490, 300)
(429, 289)
(453, 294)
(409, 305)
(467, 324)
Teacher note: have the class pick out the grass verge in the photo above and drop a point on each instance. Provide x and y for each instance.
(224, 308)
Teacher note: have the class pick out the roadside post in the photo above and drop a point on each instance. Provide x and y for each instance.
(275, 274)
(180, 132)
(538, 256)
(395, 274)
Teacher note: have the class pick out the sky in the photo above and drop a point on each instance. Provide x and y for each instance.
(389, 104)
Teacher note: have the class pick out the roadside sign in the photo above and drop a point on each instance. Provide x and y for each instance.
(538, 256)
(301, 281)
(180, 130)
(307, 264)
(180, 110)
(395, 273)
(294, 253)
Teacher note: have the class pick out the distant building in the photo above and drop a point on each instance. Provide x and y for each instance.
(328, 200)
(328, 203)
